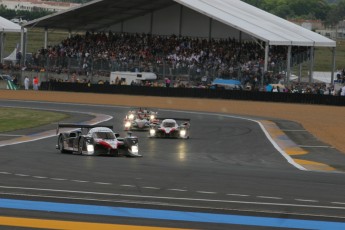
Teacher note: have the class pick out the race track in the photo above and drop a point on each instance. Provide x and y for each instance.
(228, 168)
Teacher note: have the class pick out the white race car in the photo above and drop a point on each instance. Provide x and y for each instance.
(96, 140)
(139, 119)
(169, 128)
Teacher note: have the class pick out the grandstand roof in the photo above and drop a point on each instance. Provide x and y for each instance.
(100, 14)
(8, 26)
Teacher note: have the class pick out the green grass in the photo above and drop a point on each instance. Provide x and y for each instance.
(323, 56)
(14, 119)
(35, 39)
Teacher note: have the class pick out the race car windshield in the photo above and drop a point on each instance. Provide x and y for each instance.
(104, 135)
(168, 124)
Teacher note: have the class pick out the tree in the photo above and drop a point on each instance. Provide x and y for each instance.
(336, 14)
(308, 9)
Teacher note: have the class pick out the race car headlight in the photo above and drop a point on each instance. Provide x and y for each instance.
(131, 116)
(90, 148)
(152, 132)
(152, 117)
(128, 124)
(183, 133)
(134, 149)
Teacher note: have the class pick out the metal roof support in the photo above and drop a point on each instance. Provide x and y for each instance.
(45, 38)
(300, 73)
(267, 47)
(22, 50)
(22, 32)
(180, 21)
(24, 45)
(288, 65)
(333, 65)
(210, 29)
(2, 45)
(151, 22)
(311, 64)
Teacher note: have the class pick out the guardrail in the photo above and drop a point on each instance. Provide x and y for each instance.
(196, 93)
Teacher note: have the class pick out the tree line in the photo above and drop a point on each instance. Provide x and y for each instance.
(330, 12)
(35, 13)
(24, 14)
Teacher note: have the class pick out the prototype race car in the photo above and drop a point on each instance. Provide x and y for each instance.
(139, 119)
(96, 140)
(168, 127)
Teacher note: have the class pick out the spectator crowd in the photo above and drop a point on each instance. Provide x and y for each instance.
(99, 53)
(145, 52)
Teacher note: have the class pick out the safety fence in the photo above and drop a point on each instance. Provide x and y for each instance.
(196, 93)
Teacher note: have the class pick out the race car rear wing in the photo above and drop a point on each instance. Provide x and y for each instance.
(77, 126)
(183, 121)
(176, 119)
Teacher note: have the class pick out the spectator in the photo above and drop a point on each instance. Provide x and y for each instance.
(35, 83)
(26, 82)
(167, 82)
(342, 91)
(15, 80)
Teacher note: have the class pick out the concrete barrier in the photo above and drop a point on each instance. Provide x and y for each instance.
(3, 84)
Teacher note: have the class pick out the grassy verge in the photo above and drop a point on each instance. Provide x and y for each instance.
(323, 57)
(14, 119)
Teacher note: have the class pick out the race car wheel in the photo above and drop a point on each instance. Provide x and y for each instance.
(62, 150)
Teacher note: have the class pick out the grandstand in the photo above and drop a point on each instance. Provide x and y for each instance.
(275, 43)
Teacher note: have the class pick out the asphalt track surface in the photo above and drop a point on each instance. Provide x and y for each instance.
(228, 175)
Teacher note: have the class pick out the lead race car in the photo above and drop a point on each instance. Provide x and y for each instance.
(139, 119)
(96, 140)
(170, 128)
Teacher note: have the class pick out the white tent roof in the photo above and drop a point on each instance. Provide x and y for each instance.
(8, 26)
(12, 56)
(101, 14)
(258, 23)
